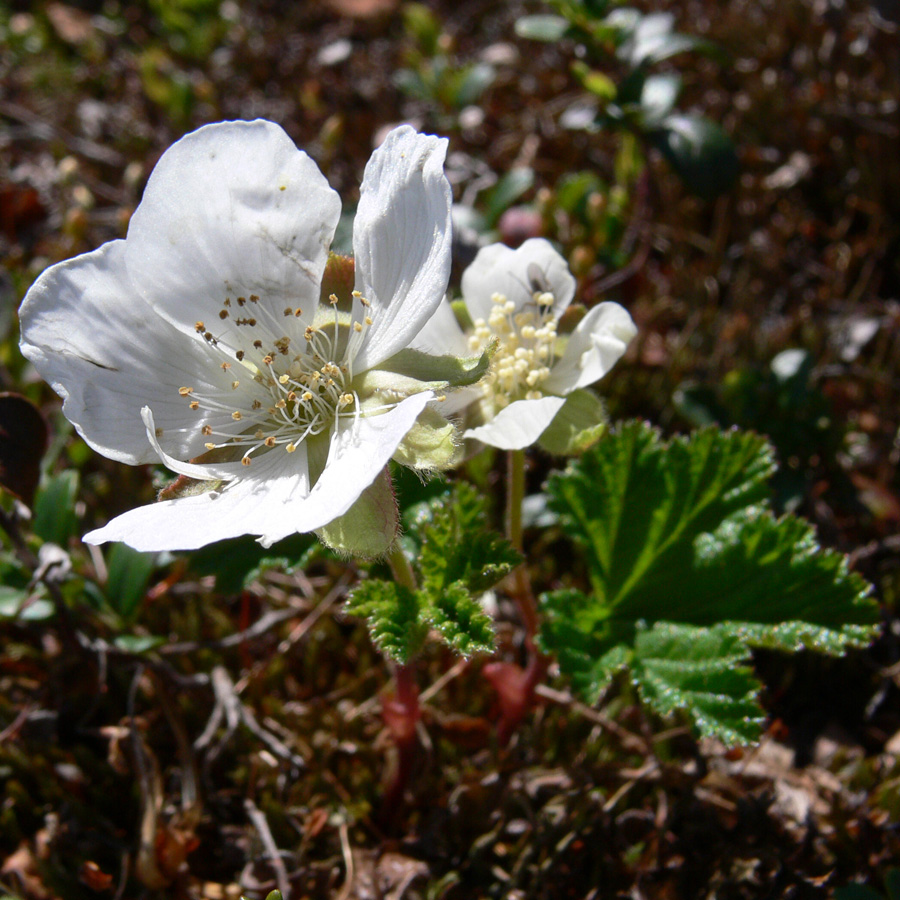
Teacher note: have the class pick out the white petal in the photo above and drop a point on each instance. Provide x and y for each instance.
(107, 353)
(273, 500)
(518, 425)
(233, 209)
(516, 274)
(401, 241)
(593, 349)
(441, 334)
(262, 504)
(357, 454)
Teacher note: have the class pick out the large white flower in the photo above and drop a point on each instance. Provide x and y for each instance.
(202, 339)
(516, 297)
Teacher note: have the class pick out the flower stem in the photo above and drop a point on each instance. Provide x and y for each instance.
(401, 710)
(515, 494)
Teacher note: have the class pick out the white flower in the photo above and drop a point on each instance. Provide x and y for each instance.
(201, 340)
(517, 297)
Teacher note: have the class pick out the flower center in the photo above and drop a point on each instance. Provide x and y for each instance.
(527, 339)
(283, 389)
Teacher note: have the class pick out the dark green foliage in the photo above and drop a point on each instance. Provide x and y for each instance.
(681, 534)
(458, 559)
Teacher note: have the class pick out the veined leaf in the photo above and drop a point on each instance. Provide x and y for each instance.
(690, 569)
(702, 670)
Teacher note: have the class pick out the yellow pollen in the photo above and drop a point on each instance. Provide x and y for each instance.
(195, 404)
(184, 391)
(284, 379)
(280, 404)
(307, 396)
(346, 399)
(368, 320)
(210, 446)
(236, 415)
(291, 448)
(357, 327)
(332, 299)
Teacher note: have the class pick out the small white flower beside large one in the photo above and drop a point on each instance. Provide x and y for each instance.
(517, 297)
(202, 339)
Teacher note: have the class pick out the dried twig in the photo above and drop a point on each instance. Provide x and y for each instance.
(262, 827)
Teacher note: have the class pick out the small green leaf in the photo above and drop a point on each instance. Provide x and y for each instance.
(699, 151)
(129, 574)
(138, 643)
(545, 28)
(578, 425)
(15, 604)
(54, 508)
(658, 97)
(456, 546)
(393, 614)
(461, 621)
(508, 189)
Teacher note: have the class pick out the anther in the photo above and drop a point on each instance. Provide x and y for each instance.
(357, 327)
(291, 448)
(194, 404)
(288, 311)
(235, 385)
(245, 461)
(236, 415)
(239, 355)
(206, 430)
(184, 391)
(210, 446)
(270, 441)
(223, 313)
(199, 327)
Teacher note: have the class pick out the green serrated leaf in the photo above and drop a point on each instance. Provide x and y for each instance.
(456, 546)
(461, 621)
(681, 533)
(394, 617)
(703, 671)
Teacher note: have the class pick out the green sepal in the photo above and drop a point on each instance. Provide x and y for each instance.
(577, 426)
(449, 371)
(432, 444)
(369, 527)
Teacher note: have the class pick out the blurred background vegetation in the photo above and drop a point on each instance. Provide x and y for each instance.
(730, 172)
